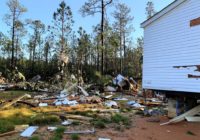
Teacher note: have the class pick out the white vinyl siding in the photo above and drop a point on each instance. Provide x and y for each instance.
(170, 41)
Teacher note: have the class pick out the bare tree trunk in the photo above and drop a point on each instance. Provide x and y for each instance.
(62, 48)
(97, 55)
(102, 37)
(124, 40)
(13, 41)
(120, 51)
(16, 51)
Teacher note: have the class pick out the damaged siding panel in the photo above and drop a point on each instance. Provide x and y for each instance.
(170, 42)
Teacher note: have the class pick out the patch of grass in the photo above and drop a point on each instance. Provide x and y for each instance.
(44, 120)
(191, 133)
(18, 119)
(34, 138)
(6, 126)
(8, 121)
(75, 123)
(75, 137)
(85, 113)
(8, 95)
(125, 110)
(16, 112)
(58, 135)
(118, 118)
(100, 122)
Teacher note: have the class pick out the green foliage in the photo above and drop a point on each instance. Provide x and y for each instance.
(85, 113)
(18, 119)
(44, 120)
(102, 79)
(34, 138)
(6, 126)
(100, 122)
(191, 133)
(117, 118)
(76, 123)
(75, 137)
(9, 95)
(58, 133)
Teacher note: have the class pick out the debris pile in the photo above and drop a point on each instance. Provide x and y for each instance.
(80, 105)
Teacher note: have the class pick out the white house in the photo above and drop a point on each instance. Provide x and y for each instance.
(172, 48)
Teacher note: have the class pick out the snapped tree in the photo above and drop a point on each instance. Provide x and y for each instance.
(62, 28)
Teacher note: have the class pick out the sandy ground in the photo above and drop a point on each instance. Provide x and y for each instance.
(141, 129)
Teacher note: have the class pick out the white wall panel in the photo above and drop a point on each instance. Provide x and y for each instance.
(170, 41)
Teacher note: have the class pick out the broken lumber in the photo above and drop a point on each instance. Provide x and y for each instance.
(26, 103)
(83, 91)
(78, 117)
(71, 87)
(8, 133)
(192, 119)
(15, 100)
(180, 118)
(81, 132)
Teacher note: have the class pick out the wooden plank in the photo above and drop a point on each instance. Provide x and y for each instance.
(192, 119)
(81, 132)
(180, 118)
(15, 100)
(8, 133)
(195, 22)
(78, 117)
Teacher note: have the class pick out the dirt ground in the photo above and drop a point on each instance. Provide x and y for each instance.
(141, 129)
(144, 130)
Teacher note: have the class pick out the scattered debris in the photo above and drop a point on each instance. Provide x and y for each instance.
(135, 105)
(78, 117)
(51, 128)
(180, 118)
(193, 119)
(16, 100)
(83, 91)
(66, 122)
(8, 133)
(111, 104)
(109, 89)
(35, 79)
(29, 131)
(108, 96)
(2, 79)
(2, 87)
(73, 105)
(81, 132)
(43, 104)
(104, 139)
(120, 99)
(93, 99)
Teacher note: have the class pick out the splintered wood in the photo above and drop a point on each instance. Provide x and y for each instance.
(180, 118)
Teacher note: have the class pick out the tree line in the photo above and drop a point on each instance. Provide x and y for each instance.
(35, 48)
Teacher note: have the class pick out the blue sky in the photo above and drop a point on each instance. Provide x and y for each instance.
(43, 10)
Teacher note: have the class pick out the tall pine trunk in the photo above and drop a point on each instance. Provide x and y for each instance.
(13, 41)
